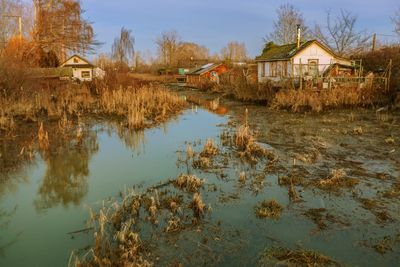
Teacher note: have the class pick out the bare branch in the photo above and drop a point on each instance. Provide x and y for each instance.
(234, 51)
(396, 21)
(285, 26)
(340, 33)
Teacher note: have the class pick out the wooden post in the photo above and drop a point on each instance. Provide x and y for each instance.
(292, 74)
(301, 75)
(374, 42)
(389, 74)
(20, 26)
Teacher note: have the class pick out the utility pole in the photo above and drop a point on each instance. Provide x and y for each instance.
(19, 22)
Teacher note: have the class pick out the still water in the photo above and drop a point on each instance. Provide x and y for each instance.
(51, 198)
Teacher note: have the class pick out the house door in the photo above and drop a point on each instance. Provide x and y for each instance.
(313, 67)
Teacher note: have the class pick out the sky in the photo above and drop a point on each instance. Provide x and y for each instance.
(214, 23)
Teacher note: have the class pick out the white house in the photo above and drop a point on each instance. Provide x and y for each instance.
(82, 69)
(309, 58)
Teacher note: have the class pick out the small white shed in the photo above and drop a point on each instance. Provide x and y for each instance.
(82, 69)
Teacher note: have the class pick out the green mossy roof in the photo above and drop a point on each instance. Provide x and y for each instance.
(282, 52)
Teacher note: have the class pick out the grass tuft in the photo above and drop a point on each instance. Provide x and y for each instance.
(268, 209)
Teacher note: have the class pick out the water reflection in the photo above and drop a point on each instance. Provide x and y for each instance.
(5, 220)
(16, 155)
(67, 170)
(132, 139)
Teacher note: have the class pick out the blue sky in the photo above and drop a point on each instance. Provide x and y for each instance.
(214, 23)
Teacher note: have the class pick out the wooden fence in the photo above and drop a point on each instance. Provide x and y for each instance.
(326, 83)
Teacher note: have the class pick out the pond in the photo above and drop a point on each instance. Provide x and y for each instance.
(45, 202)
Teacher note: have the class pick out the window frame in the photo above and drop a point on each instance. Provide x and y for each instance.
(84, 72)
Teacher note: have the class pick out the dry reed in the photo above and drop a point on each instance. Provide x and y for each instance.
(210, 149)
(242, 177)
(197, 205)
(336, 180)
(277, 256)
(317, 101)
(138, 107)
(267, 208)
(189, 182)
(248, 148)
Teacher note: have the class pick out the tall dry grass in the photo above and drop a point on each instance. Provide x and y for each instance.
(136, 107)
(143, 106)
(317, 101)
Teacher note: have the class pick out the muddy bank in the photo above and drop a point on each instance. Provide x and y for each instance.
(269, 171)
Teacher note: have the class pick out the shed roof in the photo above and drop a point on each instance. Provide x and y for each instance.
(286, 52)
(88, 63)
(204, 69)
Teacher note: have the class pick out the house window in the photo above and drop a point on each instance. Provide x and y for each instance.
(313, 67)
(272, 70)
(284, 68)
(263, 69)
(76, 60)
(279, 68)
(85, 74)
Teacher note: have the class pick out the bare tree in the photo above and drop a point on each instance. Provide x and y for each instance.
(234, 51)
(167, 45)
(340, 33)
(188, 52)
(285, 26)
(396, 21)
(104, 61)
(59, 26)
(123, 51)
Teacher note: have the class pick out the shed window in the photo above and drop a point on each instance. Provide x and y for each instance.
(278, 69)
(284, 68)
(85, 74)
(273, 69)
(263, 69)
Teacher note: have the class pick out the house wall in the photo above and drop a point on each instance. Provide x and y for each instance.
(77, 74)
(314, 51)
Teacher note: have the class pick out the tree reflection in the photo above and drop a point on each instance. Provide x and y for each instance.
(132, 139)
(5, 220)
(67, 169)
(16, 156)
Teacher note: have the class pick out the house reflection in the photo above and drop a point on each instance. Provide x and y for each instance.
(67, 169)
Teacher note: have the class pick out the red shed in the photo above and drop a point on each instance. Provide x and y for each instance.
(206, 74)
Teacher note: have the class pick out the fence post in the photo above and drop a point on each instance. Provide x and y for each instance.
(301, 75)
(389, 74)
(292, 75)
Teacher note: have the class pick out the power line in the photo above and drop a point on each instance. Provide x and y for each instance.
(386, 35)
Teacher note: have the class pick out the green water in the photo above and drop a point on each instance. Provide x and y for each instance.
(43, 210)
(47, 199)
